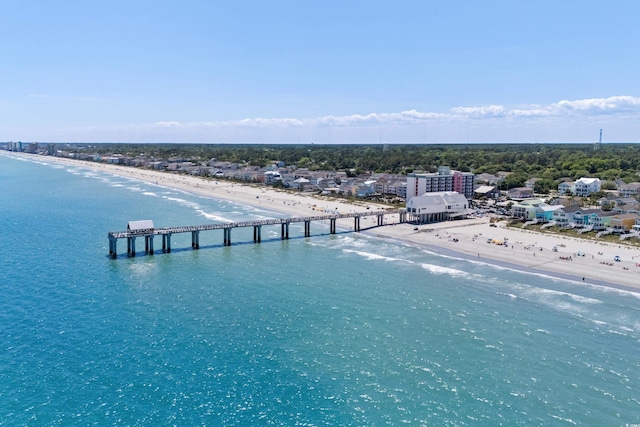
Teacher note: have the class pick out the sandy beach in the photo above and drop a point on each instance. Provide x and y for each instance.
(576, 259)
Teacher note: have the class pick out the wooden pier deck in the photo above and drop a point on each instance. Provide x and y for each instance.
(149, 233)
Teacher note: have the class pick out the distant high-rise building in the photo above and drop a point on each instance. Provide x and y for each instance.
(445, 179)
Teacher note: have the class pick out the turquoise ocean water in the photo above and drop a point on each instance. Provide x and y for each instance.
(330, 330)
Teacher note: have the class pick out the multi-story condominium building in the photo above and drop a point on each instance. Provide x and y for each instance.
(587, 186)
(583, 187)
(445, 179)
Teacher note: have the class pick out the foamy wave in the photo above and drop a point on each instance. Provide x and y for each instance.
(149, 193)
(615, 290)
(212, 217)
(372, 256)
(182, 202)
(551, 292)
(437, 269)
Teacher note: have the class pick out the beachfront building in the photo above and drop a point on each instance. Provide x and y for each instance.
(271, 177)
(531, 209)
(437, 206)
(574, 216)
(623, 222)
(445, 179)
(545, 212)
(602, 221)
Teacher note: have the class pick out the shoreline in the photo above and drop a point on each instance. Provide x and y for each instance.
(579, 260)
(448, 252)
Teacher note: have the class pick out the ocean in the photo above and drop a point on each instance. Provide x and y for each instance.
(331, 330)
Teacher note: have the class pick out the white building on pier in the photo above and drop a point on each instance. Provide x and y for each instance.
(437, 206)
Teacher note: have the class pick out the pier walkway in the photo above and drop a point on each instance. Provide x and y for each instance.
(149, 233)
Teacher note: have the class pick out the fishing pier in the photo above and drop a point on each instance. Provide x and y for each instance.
(145, 230)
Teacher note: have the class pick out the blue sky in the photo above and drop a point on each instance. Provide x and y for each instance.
(320, 71)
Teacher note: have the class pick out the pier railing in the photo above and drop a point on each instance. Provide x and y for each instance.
(166, 232)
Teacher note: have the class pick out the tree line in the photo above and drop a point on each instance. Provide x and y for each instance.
(549, 162)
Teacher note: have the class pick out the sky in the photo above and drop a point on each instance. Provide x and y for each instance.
(305, 71)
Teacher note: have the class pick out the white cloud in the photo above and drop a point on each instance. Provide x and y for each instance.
(583, 107)
(260, 122)
(490, 111)
(171, 124)
(599, 105)
(566, 121)
(531, 113)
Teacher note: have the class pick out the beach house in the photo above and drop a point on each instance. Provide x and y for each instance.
(623, 222)
(583, 187)
(601, 221)
(530, 209)
(574, 216)
(629, 190)
(566, 187)
(520, 193)
(587, 186)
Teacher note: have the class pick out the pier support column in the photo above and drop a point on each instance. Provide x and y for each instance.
(148, 244)
(195, 239)
(307, 229)
(356, 223)
(285, 231)
(113, 247)
(166, 243)
(257, 231)
(227, 237)
(332, 226)
(131, 246)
